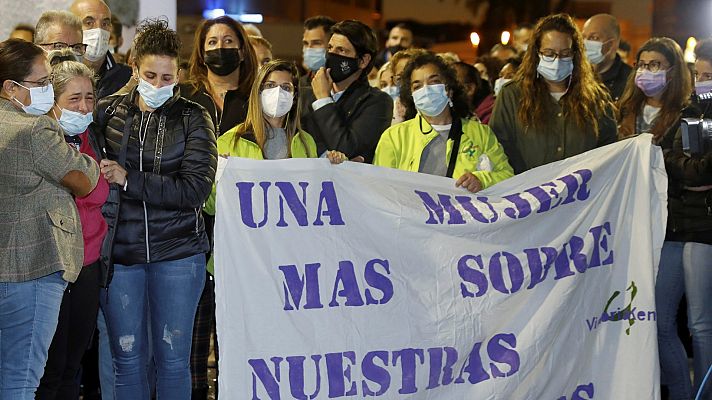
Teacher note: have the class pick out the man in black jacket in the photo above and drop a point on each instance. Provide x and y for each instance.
(96, 25)
(602, 36)
(347, 114)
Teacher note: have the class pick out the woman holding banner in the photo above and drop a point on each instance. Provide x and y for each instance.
(652, 103)
(554, 108)
(442, 139)
(272, 129)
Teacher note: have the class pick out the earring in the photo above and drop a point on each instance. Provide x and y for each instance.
(449, 102)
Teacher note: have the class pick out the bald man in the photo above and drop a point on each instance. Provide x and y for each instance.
(602, 36)
(96, 30)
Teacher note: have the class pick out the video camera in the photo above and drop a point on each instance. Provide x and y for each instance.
(697, 132)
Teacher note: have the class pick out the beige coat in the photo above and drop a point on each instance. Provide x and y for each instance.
(40, 231)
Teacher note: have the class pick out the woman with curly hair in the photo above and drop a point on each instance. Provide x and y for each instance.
(161, 160)
(442, 139)
(555, 108)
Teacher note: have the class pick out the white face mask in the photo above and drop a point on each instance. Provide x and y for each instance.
(41, 99)
(498, 84)
(276, 102)
(154, 97)
(594, 51)
(97, 41)
(392, 91)
(431, 100)
(74, 123)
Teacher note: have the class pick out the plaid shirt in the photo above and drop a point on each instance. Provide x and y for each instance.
(40, 232)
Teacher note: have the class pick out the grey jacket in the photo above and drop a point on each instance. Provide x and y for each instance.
(40, 231)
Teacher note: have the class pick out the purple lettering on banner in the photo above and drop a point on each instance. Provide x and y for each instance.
(438, 209)
(588, 390)
(437, 368)
(244, 191)
(514, 267)
(270, 380)
(474, 367)
(521, 208)
(296, 206)
(471, 275)
(337, 373)
(297, 377)
(538, 269)
(408, 368)
(577, 190)
(545, 197)
(351, 291)
(378, 281)
(600, 243)
(477, 215)
(375, 373)
(576, 256)
(294, 286)
(328, 206)
(498, 353)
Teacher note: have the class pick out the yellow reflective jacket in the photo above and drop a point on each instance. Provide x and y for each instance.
(401, 146)
(302, 146)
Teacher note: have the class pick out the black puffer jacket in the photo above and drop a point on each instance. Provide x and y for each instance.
(158, 217)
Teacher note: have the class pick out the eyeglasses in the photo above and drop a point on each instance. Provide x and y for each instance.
(550, 55)
(78, 48)
(653, 66)
(287, 87)
(43, 85)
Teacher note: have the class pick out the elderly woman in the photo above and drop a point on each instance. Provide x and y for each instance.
(40, 233)
(73, 84)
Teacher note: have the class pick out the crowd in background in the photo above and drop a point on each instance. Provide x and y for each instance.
(109, 162)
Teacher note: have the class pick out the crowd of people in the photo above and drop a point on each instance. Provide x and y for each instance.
(109, 164)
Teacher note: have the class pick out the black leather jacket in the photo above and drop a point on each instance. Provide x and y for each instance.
(171, 158)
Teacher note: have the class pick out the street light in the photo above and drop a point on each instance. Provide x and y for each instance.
(505, 37)
(475, 39)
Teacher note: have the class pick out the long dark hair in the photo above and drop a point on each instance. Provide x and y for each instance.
(674, 99)
(460, 107)
(586, 99)
(198, 69)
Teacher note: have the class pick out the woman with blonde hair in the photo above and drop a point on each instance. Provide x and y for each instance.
(555, 108)
(272, 129)
(74, 96)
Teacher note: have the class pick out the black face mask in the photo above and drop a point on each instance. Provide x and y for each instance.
(223, 61)
(341, 67)
(394, 49)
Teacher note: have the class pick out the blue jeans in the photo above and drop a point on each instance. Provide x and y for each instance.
(171, 289)
(106, 363)
(697, 265)
(28, 319)
(684, 268)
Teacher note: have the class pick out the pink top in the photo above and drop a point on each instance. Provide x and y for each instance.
(94, 226)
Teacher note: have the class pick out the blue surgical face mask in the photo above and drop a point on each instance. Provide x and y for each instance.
(74, 123)
(154, 97)
(41, 99)
(431, 100)
(556, 70)
(392, 91)
(314, 57)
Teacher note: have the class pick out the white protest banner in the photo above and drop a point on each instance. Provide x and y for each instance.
(353, 281)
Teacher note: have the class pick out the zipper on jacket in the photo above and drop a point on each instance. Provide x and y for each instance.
(142, 140)
(197, 220)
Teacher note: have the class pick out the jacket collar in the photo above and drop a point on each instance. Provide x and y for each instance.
(6, 105)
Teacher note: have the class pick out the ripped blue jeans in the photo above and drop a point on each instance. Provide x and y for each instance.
(171, 289)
